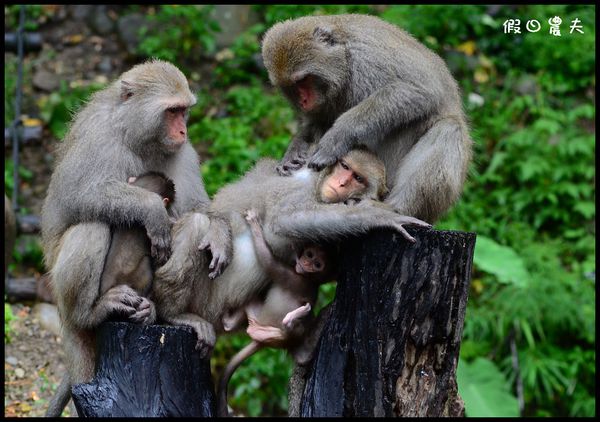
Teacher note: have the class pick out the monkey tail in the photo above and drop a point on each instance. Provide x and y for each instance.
(60, 399)
(233, 364)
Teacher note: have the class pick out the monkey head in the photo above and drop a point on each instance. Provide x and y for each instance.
(359, 174)
(156, 182)
(312, 259)
(307, 59)
(154, 101)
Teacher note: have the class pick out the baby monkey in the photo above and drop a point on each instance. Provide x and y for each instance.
(129, 261)
(284, 317)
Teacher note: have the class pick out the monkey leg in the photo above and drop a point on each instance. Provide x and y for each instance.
(291, 317)
(233, 319)
(432, 174)
(266, 334)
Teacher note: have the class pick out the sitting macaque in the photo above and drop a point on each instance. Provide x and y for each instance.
(129, 261)
(283, 317)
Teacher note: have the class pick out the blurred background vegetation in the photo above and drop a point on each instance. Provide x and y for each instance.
(529, 335)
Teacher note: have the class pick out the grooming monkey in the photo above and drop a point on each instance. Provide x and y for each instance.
(293, 210)
(283, 317)
(128, 260)
(135, 125)
(356, 79)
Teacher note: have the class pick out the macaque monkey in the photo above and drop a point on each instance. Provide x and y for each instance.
(283, 317)
(356, 79)
(128, 260)
(135, 125)
(294, 211)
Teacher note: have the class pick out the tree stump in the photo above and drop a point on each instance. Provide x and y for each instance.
(150, 371)
(390, 344)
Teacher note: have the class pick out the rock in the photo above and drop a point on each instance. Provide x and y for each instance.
(128, 27)
(11, 360)
(233, 20)
(101, 22)
(45, 80)
(48, 317)
(105, 65)
(81, 11)
(19, 373)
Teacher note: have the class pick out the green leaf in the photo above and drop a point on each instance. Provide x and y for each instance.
(501, 261)
(484, 389)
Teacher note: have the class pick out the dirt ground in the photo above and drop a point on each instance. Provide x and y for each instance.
(33, 364)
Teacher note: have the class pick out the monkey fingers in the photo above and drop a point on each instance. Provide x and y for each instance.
(324, 157)
(251, 216)
(402, 220)
(145, 313)
(160, 248)
(118, 300)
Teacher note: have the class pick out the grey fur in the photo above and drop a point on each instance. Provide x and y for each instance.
(115, 136)
(291, 215)
(385, 90)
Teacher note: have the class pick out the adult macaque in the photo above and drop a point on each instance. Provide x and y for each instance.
(135, 125)
(284, 316)
(128, 260)
(293, 213)
(356, 79)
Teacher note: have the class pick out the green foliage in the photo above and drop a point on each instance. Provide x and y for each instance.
(501, 261)
(239, 62)
(9, 181)
(32, 14)
(259, 385)
(256, 124)
(485, 390)
(176, 32)
(8, 317)
(57, 109)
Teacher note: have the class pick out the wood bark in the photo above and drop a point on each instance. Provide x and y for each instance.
(389, 342)
(151, 371)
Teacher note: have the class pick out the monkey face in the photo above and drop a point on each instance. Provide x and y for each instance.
(175, 124)
(312, 260)
(343, 182)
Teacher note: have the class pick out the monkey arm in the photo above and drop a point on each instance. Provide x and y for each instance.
(276, 271)
(332, 221)
(375, 117)
(296, 154)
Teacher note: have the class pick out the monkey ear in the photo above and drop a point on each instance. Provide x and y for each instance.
(324, 35)
(126, 90)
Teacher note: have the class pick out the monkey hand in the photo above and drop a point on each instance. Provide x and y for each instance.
(218, 241)
(252, 216)
(206, 337)
(327, 153)
(401, 220)
(120, 300)
(145, 313)
(288, 165)
(160, 240)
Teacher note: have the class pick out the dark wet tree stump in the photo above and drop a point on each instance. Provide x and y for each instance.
(151, 371)
(390, 342)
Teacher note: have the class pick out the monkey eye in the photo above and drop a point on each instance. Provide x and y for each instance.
(309, 254)
(359, 178)
(344, 165)
(318, 265)
(129, 94)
